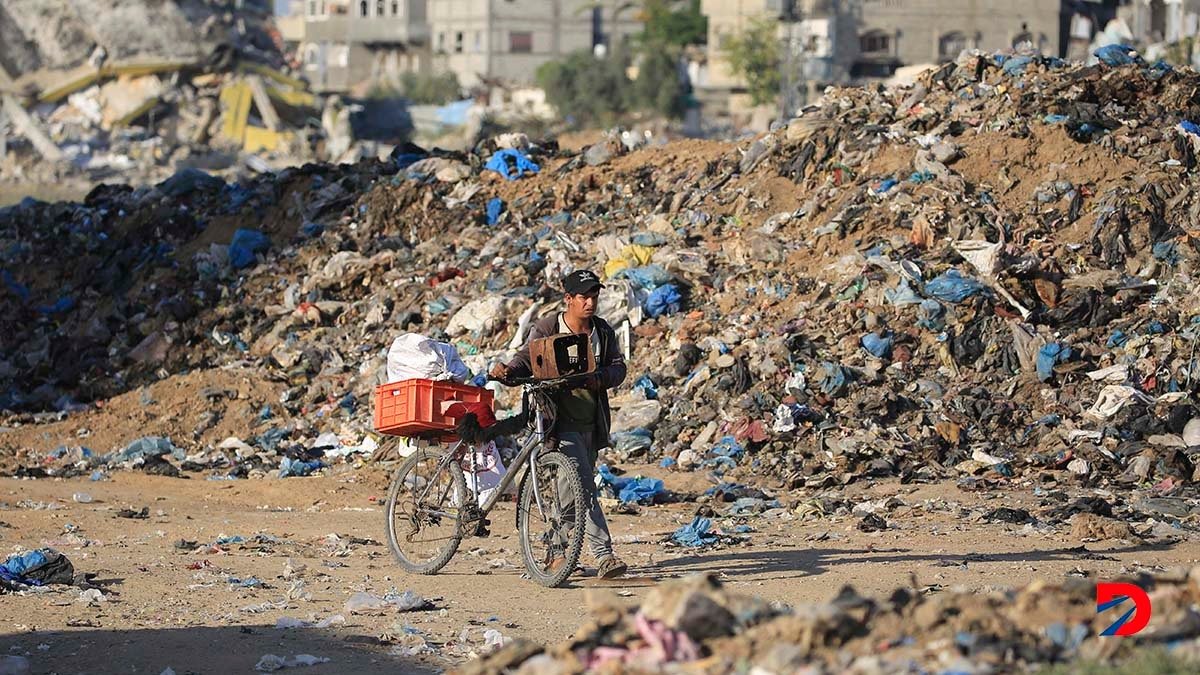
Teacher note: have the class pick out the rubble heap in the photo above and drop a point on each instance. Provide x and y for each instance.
(61, 34)
(695, 625)
(988, 272)
(87, 97)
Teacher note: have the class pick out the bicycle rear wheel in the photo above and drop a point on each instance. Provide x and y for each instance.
(424, 523)
(551, 522)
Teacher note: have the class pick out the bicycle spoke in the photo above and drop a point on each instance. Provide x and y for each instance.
(425, 515)
(550, 524)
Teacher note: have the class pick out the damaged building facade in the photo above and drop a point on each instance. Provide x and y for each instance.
(349, 45)
(346, 43)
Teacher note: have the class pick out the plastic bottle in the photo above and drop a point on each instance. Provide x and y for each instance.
(82, 498)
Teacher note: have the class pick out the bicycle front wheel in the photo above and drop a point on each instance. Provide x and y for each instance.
(551, 516)
(424, 523)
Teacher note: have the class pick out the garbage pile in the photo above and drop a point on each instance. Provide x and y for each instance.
(36, 568)
(696, 625)
(94, 96)
(983, 274)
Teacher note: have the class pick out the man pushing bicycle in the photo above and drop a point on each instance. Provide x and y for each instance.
(581, 426)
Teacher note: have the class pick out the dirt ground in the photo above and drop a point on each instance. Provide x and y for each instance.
(171, 607)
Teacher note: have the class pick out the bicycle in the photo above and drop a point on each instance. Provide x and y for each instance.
(551, 506)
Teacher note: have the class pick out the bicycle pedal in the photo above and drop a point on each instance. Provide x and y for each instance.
(481, 530)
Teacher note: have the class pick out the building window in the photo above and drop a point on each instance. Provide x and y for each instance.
(364, 8)
(395, 8)
(1024, 38)
(478, 41)
(441, 42)
(875, 43)
(458, 42)
(520, 42)
(379, 8)
(951, 45)
(312, 57)
(312, 7)
(341, 56)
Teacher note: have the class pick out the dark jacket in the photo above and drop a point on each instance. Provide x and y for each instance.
(610, 367)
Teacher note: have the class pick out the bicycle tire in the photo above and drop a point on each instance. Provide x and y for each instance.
(525, 511)
(398, 488)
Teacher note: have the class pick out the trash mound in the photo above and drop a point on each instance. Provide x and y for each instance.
(695, 625)
(984, 274)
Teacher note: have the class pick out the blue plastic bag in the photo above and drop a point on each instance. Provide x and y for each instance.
(62, 305)
(648, 277)
(1166, 251)
(886, 185)
(952, 286)
(18, 289)
(632, 441)
(245, 244)
(833, 380)
(932, 315)
(1050, 356)
(630, 490)
(695, 533)
(648, 239)
(902, 294)
(664, 300)
(148, 446)
(1016, 65)
(728, 447)
(647, 386)
(879, 346)
(298, 467)
(495, 207)
(1117, 55)
(511, 164)
(19, 564)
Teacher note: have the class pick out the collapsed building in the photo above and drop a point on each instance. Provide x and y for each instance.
(209, 87)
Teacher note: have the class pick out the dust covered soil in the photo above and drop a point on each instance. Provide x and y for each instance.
(169, 600)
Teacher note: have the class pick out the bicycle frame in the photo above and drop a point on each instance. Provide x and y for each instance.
(525, 456)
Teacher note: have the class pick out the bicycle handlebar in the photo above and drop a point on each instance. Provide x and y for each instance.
(537, 383)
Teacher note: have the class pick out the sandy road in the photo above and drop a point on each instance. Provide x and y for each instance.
(168, 607)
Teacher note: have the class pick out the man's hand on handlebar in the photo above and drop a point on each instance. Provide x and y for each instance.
(499, 372)
(504, 375)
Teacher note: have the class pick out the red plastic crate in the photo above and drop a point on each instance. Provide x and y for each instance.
(413, 407)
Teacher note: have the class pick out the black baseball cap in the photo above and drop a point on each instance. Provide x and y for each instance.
(580, 282)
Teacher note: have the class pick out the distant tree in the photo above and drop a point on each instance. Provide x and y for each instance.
(435, 89)
(588, 89)
(754, 56)
(657, 87)
(422, 89)
(677, 22)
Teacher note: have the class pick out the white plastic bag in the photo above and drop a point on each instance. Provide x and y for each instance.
(479, 317)
(488, 472)
(414, 356)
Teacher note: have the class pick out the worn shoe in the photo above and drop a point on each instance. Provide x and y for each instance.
(611, 567)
